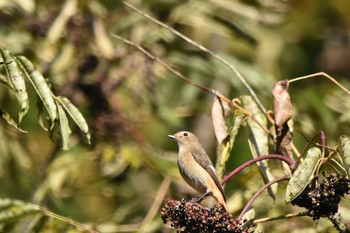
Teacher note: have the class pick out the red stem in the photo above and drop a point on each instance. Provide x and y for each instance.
(250, 202)
(260, 158)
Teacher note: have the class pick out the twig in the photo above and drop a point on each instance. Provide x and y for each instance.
(163, 189)
(250, 202)
(201, 47)
(69, 221)
(157, 59)
(311, 141)
(293, 215)
(178, 74)
(257, 159)
(322, 145)
(321, 74)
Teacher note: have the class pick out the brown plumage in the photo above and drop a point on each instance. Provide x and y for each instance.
(196, 167)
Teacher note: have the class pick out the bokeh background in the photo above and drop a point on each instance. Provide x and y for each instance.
(132, 103)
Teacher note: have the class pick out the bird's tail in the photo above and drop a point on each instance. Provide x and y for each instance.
(217, 194)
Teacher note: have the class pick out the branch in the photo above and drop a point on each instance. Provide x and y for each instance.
(324, 75)
(250, 162)
(178, 74)
(153, 210)
(201, 47)
(163, 189)
(69, 221)
(262, 220)
(172, 70)
(250, 202)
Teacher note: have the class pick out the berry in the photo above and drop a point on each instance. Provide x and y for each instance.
(322, 199)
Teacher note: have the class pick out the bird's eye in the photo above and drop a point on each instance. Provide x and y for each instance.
(185, 134)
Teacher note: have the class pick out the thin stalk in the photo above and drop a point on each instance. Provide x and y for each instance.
(69, 221)
(250, 202)
(201, 47)
(323, 74)
(252, 161)
(178, 74)
(293, 215)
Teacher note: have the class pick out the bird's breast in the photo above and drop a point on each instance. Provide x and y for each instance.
(193, 173)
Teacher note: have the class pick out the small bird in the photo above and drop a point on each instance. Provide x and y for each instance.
(196, 167)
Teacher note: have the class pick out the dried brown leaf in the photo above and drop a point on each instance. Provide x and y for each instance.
(282, 114)
(282, 106)
(219, 111)
(284, 146)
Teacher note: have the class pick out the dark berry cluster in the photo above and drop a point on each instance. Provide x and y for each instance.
(322, 200)
(193, 218)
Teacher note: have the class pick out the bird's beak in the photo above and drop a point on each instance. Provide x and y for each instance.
(171, 136)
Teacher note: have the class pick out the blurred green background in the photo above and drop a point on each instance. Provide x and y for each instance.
(132, 103)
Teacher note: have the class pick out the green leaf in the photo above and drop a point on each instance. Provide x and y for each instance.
(41, 87)
(303, 174)
(6, 203)
(3, 80)
(344, 151)
(16, 210)
(7, 117)
(64, 128)
(258, 141)
(227, 144)
(16, 81)
(76, 115)
(41, 114)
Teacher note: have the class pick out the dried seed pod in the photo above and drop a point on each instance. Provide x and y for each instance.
(303, 174)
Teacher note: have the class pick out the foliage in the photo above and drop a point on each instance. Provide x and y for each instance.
(131, 102)
(17, 68)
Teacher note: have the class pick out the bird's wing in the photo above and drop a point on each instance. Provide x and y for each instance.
(203, 159)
